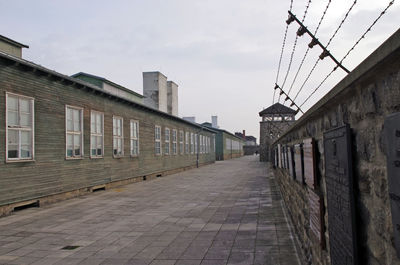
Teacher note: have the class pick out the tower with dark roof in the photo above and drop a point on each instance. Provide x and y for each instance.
(274, 120)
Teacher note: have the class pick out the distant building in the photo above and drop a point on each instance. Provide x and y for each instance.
(227, 145)
(249, 140)
(109, 86)
(274, 120)
(191, 119)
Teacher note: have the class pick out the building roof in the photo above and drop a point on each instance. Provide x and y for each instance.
(205, 125)
(13, 42)
(108, 82)
(277, 108)
(79, 84)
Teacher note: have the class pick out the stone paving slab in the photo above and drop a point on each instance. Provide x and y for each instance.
(226, 213)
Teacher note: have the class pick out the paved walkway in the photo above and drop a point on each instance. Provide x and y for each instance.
(226, 213)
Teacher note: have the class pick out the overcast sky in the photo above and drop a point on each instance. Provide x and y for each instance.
(223, 54)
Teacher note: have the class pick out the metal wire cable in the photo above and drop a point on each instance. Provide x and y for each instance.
(349, 51)
(282, 49)
(329, 42)
(308, 49)
(294, 48)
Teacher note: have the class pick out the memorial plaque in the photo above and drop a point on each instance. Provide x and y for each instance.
(316, 217)
(392, 136)
(298, 163)
(340, 196)
(279, 156)
(291, 162)
(310, 176)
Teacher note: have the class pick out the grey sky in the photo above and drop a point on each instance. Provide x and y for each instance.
(223, 54)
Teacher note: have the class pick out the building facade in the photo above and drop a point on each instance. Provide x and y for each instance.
(62, 137)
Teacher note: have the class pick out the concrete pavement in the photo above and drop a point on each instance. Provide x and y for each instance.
(226, 213)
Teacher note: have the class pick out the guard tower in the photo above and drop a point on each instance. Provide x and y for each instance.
(274, 120)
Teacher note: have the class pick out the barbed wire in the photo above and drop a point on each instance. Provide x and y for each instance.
(282, 49)
(349, 51)
(308, 49)
(294, 48)
(329, 42)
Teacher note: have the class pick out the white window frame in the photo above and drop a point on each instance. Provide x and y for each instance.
(133, 138)
(181, 142)
(73, 133)
(192, 143)
(97, 134)
(21, 128)
(187, 143)
(167, 141)
(157, 139)
(117, 137)
(196, 150)
(174, 142)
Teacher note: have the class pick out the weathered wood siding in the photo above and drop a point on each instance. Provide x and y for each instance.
(51, 172)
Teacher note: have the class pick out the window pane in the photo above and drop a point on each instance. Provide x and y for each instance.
(25, 119)
(12, 151)
(92, 123)
(12, 103)
(12, 118)
(70, 141)
(93, 151)
(26, 138)
(25, 105)
(77, 144)
(25, 151)
(99, 123)
(77, 121)
(69, 151)
(12, 137)
(93, 142)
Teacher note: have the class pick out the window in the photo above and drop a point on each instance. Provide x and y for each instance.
(74, 117)
(20, 127)
(181, 134)
(174, 143)
(96, 134)
(134, 138)
(157, 140)
(195, 144)
(118, 136)
(191, 143)
(166, 151)
(201, 143)
(187, 143)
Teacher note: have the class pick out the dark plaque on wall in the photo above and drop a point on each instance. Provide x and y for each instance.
(298, 163)
(279, 156)
(284, 156)
(316, 221)
(291, 161)
(310, 176)
(392, 136)
(340, 196)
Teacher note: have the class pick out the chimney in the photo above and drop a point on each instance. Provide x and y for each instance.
(214, 122)
(244, 134)
(155, 90)
(172, 96)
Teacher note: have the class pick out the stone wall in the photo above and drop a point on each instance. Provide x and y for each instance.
(363, 99)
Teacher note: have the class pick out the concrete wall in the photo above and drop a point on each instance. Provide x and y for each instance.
(10, 49)
(50, 173)
(362, 100)
(155, 90)
(172, 98)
